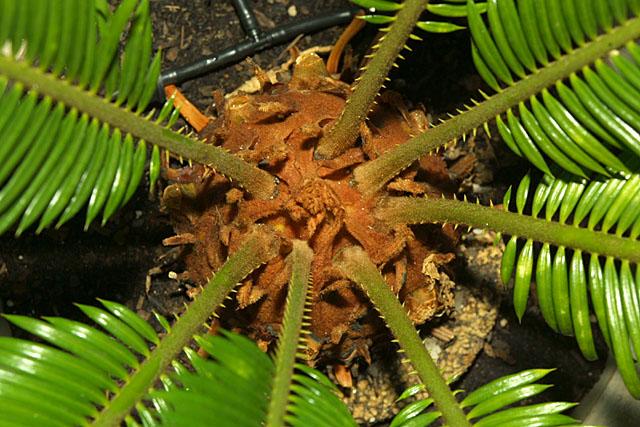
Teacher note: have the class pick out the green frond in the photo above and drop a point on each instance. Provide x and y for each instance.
(99, 377)
(291, 335)
(87, 376)
(568, 280)
(230, 389)
(486, 404)
(584, 123)
(56, 159)
(71, 105)
(69, 384)
(233, 389)
(585, 245)
(314, 401)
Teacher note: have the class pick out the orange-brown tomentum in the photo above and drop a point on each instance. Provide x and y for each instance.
(277, 129)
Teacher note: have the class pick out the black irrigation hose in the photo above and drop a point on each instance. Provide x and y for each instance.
(247, 19)
(246, 48)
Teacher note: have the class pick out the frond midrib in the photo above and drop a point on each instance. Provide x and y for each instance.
(411, 210)
(371, 176)
(257, 249)
(291, 335)
(258, 182)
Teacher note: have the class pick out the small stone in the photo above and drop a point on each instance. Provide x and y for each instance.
(503, 323)
(292, 10)
(171, 54)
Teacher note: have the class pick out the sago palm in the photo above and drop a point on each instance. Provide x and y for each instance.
(73, 122)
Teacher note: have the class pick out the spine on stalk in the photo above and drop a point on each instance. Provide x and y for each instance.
(344, 132)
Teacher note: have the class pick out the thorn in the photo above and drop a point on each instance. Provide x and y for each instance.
(486, 129)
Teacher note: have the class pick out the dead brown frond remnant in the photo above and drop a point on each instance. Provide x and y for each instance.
(277, 129)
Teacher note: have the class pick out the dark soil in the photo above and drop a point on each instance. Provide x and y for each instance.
(44, 275)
